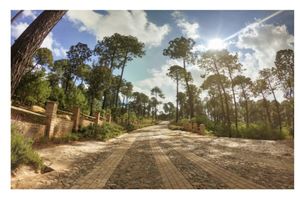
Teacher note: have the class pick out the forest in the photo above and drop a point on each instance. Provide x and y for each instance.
(92, 79)
(235, 105)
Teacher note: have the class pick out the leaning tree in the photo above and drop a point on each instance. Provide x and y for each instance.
(29, 41)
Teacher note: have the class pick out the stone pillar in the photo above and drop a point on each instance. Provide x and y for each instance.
(108, 118)
(202, 129)
(51, 110)
(76, 118)
(97, 118)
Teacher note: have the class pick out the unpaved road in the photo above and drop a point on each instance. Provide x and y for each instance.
(156, 158)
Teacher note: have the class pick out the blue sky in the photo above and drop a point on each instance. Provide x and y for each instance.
(256, 44)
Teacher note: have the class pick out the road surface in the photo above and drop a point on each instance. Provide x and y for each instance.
(158, 158)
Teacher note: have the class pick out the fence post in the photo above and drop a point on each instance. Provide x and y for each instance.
(202, 129)
(97, 118)
(76, 118)
(51, 111)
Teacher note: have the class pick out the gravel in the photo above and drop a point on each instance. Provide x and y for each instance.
(137, 169)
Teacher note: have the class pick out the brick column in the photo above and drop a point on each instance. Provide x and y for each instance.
(202, 128)
(76, 118)
(51, 110)
(97, 118)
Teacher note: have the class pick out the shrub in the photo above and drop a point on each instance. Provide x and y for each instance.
(66, 138)
(22, 152)
(104, 132)
(260, 131)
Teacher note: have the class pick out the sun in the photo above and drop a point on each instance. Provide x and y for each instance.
(216, 44)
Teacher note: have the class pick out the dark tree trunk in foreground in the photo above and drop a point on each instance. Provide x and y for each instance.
(29, 41)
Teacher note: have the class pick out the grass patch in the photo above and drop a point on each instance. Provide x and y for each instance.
(22, 152)
(103, 133)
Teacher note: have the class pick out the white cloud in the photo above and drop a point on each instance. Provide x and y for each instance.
(265, 40)
(189, 29)
(133, 23)
(56, 48)
(199, 48)
(159, 78)
(168, 86)
(250, 64)
(18, 29)
(29, 13)
(49, 42)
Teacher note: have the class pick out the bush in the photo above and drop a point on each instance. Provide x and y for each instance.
(70, 137)
(104, 132)
(259, 131)
(22, 152)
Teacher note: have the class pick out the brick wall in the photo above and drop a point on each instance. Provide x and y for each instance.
(51, 124)
(31, 130)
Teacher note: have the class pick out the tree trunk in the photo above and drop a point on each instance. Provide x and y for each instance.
(267, 109)
(222, 105)
(177, 99)
(189, 92)
(226, 101)
(246, 106)
(277, 105)
(120, 82)
(29, 41)
(91, 106)
(156, 108)
(234, 100)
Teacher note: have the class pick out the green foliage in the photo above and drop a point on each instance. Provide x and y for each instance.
(43, 56)
(77, 98)
(104, 132)
(261, 131)
(22, 152)
(33, 89)
(58, 95)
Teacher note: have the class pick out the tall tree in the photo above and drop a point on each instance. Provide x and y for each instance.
(212, 61)
(169, 109)
(213, 84)
(284, 71)
(78, 55)
(109, 53)
(268, 76)
(29, 41)
(260, 87)
(157, 93)
(245, 84)
(181, 48)
(181, 102)
(231, 65)
(177, 73)
(97, 82)
(131, 48)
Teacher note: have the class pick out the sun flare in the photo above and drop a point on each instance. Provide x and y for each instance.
(216, 44)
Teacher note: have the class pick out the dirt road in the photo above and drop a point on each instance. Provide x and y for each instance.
(157, 158)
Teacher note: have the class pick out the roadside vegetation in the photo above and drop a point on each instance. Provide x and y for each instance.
(22, 152)
(233, 105)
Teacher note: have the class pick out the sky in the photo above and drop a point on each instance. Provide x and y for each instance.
(255, 35)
